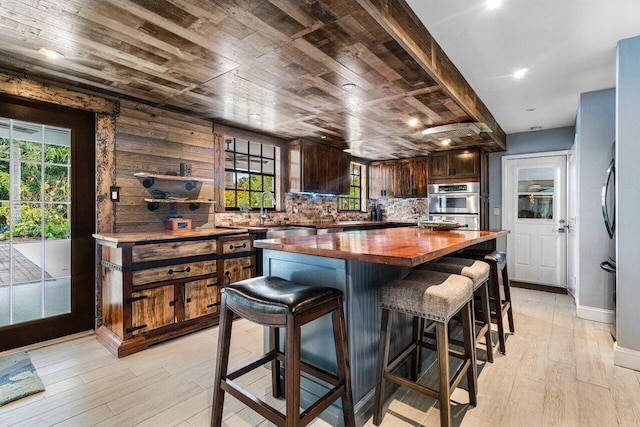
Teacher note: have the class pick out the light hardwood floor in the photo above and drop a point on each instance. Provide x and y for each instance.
(558, 371)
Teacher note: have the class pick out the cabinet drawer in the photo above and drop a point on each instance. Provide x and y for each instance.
(176, 271)
(236, 245)
(168, 250)
(236, 269)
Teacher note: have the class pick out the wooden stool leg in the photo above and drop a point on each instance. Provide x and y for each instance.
(497, 300)
(442, 338)
(486, 314)
(224, 342)
(292, 369)
(415, 358)
(383, 361)
(274, 345)
(472, 373)
(342, 359)
(507, 296)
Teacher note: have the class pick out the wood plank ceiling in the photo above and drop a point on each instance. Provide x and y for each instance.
(273, 66)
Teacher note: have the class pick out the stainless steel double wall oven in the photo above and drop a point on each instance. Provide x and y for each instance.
(459, 202)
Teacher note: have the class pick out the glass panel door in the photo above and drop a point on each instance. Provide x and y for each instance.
(536, 187)
(35, 227)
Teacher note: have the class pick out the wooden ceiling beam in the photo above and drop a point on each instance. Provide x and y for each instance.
(407, 29)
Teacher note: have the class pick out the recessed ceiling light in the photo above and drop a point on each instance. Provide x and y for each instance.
(51, 54)
(520, 73)
(323, 137)
(348, 86)
(446, 141)
(254, 115)
(535, 128)
(413, 122)
(493, 4)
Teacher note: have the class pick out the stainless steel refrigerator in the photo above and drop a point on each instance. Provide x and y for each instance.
(609, 216)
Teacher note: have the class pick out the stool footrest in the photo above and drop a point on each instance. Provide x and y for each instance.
(321, 404)
(250, 366)
(252, 402)
(321, 374)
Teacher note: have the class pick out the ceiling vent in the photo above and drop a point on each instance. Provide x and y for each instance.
(455, 130)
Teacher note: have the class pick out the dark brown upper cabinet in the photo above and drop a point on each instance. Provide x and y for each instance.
(398, 178)
(318, 168)
(454, 165)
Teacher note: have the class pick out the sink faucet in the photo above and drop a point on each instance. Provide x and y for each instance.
(263, 214)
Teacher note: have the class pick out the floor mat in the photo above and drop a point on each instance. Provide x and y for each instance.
(18, 378)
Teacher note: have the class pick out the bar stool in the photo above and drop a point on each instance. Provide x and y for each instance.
(497, 261)
(275, 302)
(433, 296)
(478, 272)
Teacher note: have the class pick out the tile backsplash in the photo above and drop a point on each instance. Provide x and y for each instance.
(402, 210)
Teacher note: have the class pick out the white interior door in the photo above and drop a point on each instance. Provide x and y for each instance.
(536, 213)
(573, 270)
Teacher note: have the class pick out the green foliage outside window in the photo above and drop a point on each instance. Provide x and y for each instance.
(35, 196)
(353, 202)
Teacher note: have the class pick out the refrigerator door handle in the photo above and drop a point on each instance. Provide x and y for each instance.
(609, 221)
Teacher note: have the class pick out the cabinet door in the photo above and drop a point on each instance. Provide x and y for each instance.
(439, 165)
(314, 167)
(419, 177)
(403, 178)
(339, 168)
(152, 309)
(466, 163)
(375, 180)
(201, 297)
(388, 178)
(236, 269)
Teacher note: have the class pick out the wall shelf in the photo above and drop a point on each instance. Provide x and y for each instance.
(150, 178)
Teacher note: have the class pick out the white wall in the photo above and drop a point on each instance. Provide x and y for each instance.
(595, 129)
(627, 351)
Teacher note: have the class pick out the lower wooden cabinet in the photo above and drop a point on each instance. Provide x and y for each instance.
(201, 297)
(154, 290)
(152, 308)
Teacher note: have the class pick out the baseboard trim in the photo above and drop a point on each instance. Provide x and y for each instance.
(536, 287)
(626, 357)
(596, 314)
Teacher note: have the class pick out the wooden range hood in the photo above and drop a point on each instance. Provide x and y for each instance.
(278, 67)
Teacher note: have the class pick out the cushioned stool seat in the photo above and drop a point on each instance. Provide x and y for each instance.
(434, 296)
(275, 302)
(478, 272)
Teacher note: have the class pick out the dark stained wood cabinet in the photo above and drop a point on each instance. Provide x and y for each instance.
(454, 165)
(398, 178)
(318, 168)
(156, 286)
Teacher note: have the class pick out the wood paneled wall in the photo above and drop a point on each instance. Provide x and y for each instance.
(156, 141)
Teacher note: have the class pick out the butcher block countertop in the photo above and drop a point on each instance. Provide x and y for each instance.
(121, 239)
(405, 246)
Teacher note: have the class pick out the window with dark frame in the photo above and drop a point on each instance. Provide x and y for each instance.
(353, 202)
(249, 170)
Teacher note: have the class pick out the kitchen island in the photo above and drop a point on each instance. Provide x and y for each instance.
(358, 263)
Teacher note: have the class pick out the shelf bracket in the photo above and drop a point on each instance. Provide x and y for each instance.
(148, 182)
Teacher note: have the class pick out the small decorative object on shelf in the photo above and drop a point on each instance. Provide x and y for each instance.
(177, 224)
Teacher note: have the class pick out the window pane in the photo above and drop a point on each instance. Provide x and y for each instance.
(242, 162)
(5, 181)
(269, 167)
(255, 164)
(30, 181)
(242, 146)
(27, 301)
(268, 151)
(269, 183)
(29, 150)
(254, 148)
(56, 185)
(56, 222)
(57, 154)
(243, 181)
(228, 160)
(243, 199)
(535, 206)
(5, 216)
(4, 147)
(57, 296)
(256, 183)
(230, 198)
(24, 131)
(255, 201)
(230, 180)
(26, 221)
